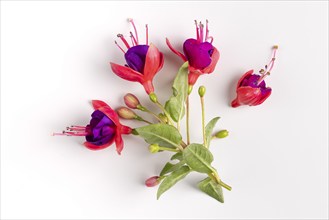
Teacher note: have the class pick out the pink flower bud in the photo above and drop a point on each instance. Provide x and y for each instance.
(152, 181)
(131, 101)
(126, 113)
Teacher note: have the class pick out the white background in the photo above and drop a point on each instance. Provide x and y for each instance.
(54, 60)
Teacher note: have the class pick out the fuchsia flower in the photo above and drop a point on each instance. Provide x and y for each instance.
(143, 61)
(104, 128)
(201, 55)
(251, 88)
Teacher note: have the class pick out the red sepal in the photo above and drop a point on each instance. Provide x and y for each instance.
(153, 63)
(127, 73)
(98, 104)
(96, 147)
(175, 51)
(118, 143)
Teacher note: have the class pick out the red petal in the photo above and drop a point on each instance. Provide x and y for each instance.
(175, 51)
(109, 112)
(248, 95)
(119, 143)
(214, 60)
(152, 62)
(98, 104)
(96, 147)
(243, 77)
(126, 73)
(263, 98)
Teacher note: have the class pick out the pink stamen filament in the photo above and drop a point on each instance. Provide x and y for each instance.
(269, 67)
(75, 129)
(68, 133)
(147, 34)
(207, 31)
(77, 133)
(119, 47)
(133, 24)
(132, 41)
(123, 40)
(197, 31)
(132, 37)
(77, 126)
(201, 32)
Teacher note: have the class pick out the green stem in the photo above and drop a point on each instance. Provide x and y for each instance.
(165, 112)
(178, 126)
(203, 122)
(139, 118)
(220, 182)
(188, 120)
(152, 113)
(168, 149)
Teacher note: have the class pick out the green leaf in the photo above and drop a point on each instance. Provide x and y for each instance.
(198, 158)
(209, 128)
(177, 156)
(212, 188)
(176, 104)
(172, 179)
(162, 134)
(169, 167)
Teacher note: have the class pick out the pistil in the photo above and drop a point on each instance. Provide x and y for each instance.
(133, 24)
(268, 67)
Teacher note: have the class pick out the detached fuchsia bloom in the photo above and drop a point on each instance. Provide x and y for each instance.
(143, 61)
(251, 88)
(104, 128)
(201, 55)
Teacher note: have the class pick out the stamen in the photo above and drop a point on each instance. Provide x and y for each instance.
(132, 41)
(78, 126)
(197, 30)
(123, 40)
(207, 30)
(269, 67)
(75, 129)
(132, 36)
(59, 134)
(201, 31)
(69, 133)
(119, 46)
(133, 24)
(147, 34)
(211, 39)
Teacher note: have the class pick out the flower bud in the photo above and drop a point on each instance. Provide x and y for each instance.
(154, 148)
(153, 97)
(152, 181)
(126, 113)
(131, 101)
(222, 134)
(163, 117)
(202, 91)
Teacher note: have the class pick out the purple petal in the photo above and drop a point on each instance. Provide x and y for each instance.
(135, 57)
(101, 129)
(252, 81)
(198, 54)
